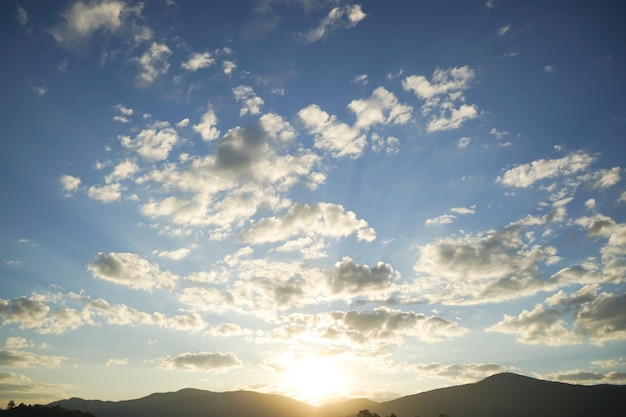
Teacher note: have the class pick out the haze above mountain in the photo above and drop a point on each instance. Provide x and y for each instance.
(503, 395)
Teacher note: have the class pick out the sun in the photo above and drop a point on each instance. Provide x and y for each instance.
(315, 379)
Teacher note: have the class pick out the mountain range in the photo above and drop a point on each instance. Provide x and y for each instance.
(501, 395)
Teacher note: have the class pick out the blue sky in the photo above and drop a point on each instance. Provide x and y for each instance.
(321, 199)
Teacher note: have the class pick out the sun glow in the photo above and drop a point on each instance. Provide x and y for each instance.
(315, 380)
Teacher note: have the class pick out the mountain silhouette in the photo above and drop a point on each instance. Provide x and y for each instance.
(502, 395)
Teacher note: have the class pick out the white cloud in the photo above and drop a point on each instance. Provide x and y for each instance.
(22, 15)
(391, 144)
(198, 61)
(126, 111)
(464, 142)
(322, 219)
(83, 19)
(502, 30)
(228, 67)
(622, 197)
(464, 210)
(440, 94)
(336, 137)
(106, 193)
(201, 361)
(16, 342)
(581, 376)
(462, 372)
(499, 134)
(176, 254)
(25, 312)
(131, 270)
(338, 17)
(443, 219)
(122, 171)
(549, 69)
(153, 63)
(525, 175)
(452, 118)
(183, 123)
(116, 362)
(605, 178)
(350, 278)
(360, 79)
(381, 108)
(251, 102)
(40, 90)
(154, 143)
(277, 128)
(70, 184)
(207, 124)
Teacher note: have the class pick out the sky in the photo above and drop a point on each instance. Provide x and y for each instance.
(319, 199)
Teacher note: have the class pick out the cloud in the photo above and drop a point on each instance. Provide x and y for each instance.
(154, 143)
(579, 376)
(202, 361)
(502, 30)
(381, 108)
(198, 61)
(464, 210)
(17, 342)
(440, 94)
(228, 67)
(22, 15)
(462, 372)
(106, 193)
(339, 17)
(548, 69)
(489, 267)
(10, 358)
(604, 178)
(25, 312)
(499, 134)
(116, 362)
(360, 79)
(622, 197)
(464, 142)
(251, 102)
(131, 270)
(83, 19)
(323, 219)
(597, 319)
(443, 219)
(277, 128)
(390, 144)
(14, 386)
(525, 175)
(336, 137)
(175, 255)
(153, 63)
(365, 330)
(207, 124)
(70, 184)
(349, 278)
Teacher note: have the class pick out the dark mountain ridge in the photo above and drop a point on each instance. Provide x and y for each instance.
(502, 395)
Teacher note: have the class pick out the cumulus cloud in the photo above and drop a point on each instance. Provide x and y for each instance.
(131, 270)
(490, 267)
(251, 102)
(277, 128)
(324, 219)
(338, 138)
(596, 318)
(206, 128)
(581, 376)
(21, 386)
(116, 362)
(338, 17)
(228, 67)
(461, 372)
(22, 15)
(20, 359)
(83, 19)
(443, 219)
(198, 61)
(368, 331)
(390, 145)
(382, 107)
(175, 255)
(154, 143)
(440, 94)
(25, 312)
(525, 175)
(201, 361)
(350, 278)
(153, 63)
(106, 193)
(70, 184)
(123, 170)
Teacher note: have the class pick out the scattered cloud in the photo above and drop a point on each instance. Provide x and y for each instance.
(251, 102)
(338, 138)
(70, 184)
(198, 61)
(10, 358)
(153, 63)
(458, 372)
(207, 126)
(502, 30)
(338, 17)
(525, 175)
(228, 67)
(201, 361)
(549, 69)
(381, 108)
(443, 219)
(360, 79)
(116, 362)
(440, 95)
(22, 15)
(464, 142)
(131, 270)
(153, 143)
